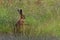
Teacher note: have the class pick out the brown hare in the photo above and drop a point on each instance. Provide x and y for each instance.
(20, 22)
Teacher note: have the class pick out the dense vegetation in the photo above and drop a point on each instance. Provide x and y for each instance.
(43, 16)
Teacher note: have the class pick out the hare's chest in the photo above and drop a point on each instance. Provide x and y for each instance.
(21, 21)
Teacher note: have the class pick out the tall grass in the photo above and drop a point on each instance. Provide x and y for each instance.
(42, 19)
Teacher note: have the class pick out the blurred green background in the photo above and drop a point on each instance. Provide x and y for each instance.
(43, 16)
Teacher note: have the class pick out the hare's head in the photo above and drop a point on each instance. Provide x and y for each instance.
(23, 17)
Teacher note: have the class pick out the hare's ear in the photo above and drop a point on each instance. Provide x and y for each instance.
(18, 10)
(21, 12)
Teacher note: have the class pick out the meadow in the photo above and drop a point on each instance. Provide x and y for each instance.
(43, 16)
